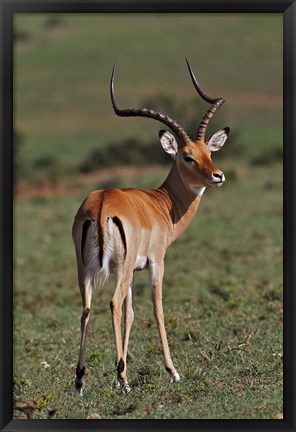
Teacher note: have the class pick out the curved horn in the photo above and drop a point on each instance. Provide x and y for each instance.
(144, 112)
(216, 104)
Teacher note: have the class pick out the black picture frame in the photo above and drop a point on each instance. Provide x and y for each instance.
(8, 9)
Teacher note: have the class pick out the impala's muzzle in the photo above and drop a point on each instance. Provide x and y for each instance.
(217, 180)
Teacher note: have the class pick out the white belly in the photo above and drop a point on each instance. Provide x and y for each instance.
(141, 263)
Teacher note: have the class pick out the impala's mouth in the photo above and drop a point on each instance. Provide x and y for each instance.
(214, 183)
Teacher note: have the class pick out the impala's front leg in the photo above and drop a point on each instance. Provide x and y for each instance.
(156, 271)
(123, 286)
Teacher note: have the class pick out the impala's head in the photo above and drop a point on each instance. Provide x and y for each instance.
(192, 156)
(193, 159)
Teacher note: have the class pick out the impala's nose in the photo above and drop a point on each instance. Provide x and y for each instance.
(218, 178)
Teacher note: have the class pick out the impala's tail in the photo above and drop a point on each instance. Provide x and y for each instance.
(103, 242)
(97, 249)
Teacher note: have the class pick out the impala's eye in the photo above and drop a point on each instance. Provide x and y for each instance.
(188, 158)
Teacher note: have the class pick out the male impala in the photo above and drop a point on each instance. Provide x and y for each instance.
(124, 230)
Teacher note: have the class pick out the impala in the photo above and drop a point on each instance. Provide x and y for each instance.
(125, 230)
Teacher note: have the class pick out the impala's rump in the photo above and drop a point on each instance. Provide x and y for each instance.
(103, 227)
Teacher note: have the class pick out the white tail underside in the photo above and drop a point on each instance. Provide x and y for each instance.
(94, 271)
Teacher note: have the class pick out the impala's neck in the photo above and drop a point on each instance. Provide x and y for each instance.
(184, 201)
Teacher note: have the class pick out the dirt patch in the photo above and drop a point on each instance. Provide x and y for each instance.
(70, 185)
(25, 189)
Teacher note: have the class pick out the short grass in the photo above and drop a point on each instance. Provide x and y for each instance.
(222, 299)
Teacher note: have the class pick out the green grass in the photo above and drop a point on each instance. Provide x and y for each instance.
(223, 308)
(223, 277)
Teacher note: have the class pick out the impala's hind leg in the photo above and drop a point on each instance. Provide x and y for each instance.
(128, 320)
(86, 293)
(123, 283)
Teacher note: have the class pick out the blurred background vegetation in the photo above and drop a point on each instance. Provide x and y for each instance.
(225, 330)
(63, 115)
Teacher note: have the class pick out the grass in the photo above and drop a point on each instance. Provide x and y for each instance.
(223, 308)
(223, 277)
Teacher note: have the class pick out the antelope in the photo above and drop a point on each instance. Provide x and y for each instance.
(126, 230)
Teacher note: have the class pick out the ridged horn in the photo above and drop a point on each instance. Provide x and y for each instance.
(216, 104)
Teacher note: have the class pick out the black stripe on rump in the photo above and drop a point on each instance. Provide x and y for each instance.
(100, 232)
(83, 238)
(101, 243)
(119, 225)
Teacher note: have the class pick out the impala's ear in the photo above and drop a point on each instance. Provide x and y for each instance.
(218, 139)
(169, 143)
